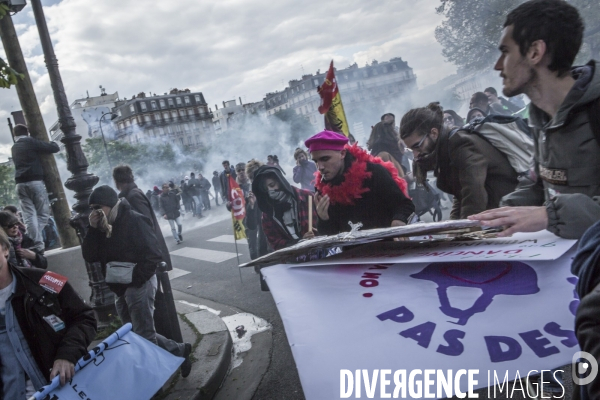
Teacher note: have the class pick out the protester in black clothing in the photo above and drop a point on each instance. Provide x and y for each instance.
(194, 190)
(119, 234)
(124, 182)
(169, 208)
(216, 182)
(186, 198)
(204, 188)
(253, 214)
(29, 175)
(246, 186)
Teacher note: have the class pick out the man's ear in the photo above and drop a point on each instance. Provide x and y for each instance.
(434, 133)
(536, 52)
(343, 153)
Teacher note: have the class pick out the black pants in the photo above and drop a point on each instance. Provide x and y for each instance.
(587, 329)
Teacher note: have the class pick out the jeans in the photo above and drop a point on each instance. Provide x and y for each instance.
(175, 229)
(137, 306)
(36, 209)
(198, 205)
(217, 195)
(205, 199)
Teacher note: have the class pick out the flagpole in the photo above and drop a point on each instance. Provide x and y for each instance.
(237, 253)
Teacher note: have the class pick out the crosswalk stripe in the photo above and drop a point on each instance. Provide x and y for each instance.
(204, 254)
(226, 239)
(176, 273)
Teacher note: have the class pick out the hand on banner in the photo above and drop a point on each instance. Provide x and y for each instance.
(514, 219)
(322, 206)
(310, 234)
(64, 368)
(397, 222)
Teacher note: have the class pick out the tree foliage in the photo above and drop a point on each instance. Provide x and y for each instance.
(471, 30)
(8, 76)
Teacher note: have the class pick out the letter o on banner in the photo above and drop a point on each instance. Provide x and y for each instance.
(369, 283)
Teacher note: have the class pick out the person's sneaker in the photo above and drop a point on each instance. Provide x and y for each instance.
(186, 366)
(180, 238)
(179, 242)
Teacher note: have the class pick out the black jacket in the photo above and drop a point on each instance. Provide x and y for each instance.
(194, 186)
(377, 208)
(216, 181)
(142, 204)
(170, 204)
(132, 240)
(204, 185)
(26, 155)
(224, 178)
(31, 303)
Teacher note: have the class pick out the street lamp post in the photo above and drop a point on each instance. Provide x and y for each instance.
(81, 182)
(112, 116)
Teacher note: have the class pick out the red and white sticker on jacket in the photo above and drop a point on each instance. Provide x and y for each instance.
(53, 282)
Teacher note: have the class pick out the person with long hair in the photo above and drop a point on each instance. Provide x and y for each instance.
(465, 164)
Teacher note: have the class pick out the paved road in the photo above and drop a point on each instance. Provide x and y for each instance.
(208, 254)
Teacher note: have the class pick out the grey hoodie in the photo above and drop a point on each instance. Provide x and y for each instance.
(567, 160)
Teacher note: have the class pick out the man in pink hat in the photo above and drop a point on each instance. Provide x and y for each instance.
(353, 186)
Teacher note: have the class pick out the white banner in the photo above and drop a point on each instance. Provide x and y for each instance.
(132, 368)
(496, 317)
(538, 246)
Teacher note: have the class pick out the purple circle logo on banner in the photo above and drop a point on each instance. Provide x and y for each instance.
(494, 278)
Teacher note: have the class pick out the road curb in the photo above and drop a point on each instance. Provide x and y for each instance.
(212, 357)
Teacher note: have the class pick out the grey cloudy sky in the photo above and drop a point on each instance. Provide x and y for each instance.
(226, 49)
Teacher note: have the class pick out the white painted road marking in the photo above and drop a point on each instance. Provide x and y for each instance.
(176, 273)
(227, 239)
(204, 255)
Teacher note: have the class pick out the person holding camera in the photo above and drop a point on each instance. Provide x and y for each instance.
(124, 243)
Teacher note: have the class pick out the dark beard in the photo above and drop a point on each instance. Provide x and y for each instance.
(422, 165)
(523, 88)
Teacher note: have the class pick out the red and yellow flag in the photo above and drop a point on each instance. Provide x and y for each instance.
(238, 208)
(331, 104)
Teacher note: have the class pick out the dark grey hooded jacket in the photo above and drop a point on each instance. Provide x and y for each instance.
(567, 160)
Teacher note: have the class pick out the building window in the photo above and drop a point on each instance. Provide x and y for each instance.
(143, 104)
(181, 140)
(203, 123)
(153, 104)
(182, 113)
(186, 100)
(178, 99)
(147, 118)
(189, 140)
(157, 117)
(162, 104)
(120, 125)
(170, 101)
(186, 127)
(174, 114)
(131, 108)
(126, 124)
(166, 116)
(394, 67)
(197, 97)
(346, 76)
(316, 82)
(190, 111)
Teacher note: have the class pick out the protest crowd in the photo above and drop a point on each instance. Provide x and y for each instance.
(510, 166)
